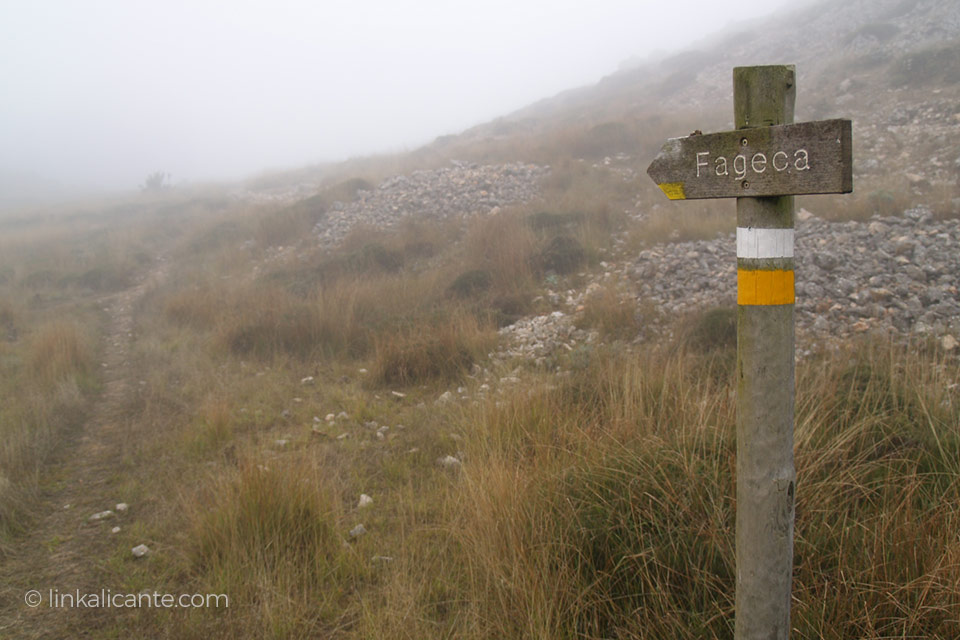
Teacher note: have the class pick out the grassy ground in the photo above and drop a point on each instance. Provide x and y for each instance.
(591, 500)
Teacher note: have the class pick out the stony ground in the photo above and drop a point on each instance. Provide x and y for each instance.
(461, 189)
(896, 274)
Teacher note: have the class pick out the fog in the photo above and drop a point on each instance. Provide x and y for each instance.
(98, 94)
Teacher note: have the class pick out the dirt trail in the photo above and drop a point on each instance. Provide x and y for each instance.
(66, 552)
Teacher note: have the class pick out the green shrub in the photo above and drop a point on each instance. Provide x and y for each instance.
(563, 254)
(470, 283)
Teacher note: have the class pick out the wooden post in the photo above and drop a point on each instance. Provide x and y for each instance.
(762, 164)
(766, 479)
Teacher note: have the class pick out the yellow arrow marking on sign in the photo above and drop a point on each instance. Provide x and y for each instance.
(674, 190)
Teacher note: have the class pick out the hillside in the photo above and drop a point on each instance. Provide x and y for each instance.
(891, 66)
(487, 389)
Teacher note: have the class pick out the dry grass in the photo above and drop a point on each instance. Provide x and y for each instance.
(443, 350)
(504, 246)
(605, 507)
(596, 503)
(684, 222)
(266, 535)
(59, 350)
(613, 313)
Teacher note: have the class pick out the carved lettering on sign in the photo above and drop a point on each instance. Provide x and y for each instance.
(757, 163)
(791, 159)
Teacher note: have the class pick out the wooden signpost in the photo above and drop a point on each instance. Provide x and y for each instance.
(784, 160)
(765, 162)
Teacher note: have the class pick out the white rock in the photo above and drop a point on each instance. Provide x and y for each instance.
(445, 397)
(358, 531)
(448, 462)
(140, 551)
(122, 507)
(307, 380)
(102, 515)
(330, 417)
(365, 501)
(281, 442)
(342, 415)
(115, 530)
(948, 342)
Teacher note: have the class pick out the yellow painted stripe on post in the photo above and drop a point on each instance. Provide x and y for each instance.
(674, 190)
(757, 287)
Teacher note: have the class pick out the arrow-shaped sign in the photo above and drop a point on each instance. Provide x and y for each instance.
(791, 159)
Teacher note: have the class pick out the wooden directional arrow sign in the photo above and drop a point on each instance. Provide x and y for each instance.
(790, 159)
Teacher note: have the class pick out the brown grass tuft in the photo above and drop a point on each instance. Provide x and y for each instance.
(266, 535)
(613, 314)
(443, 350)
(59, 350)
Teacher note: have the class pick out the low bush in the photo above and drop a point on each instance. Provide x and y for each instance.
(470, 283)
(444, 349)
(563, 254)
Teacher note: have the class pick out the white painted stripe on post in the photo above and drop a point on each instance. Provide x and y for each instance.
(764, 243)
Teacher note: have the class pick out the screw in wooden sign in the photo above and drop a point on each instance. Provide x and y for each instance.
(763, 164)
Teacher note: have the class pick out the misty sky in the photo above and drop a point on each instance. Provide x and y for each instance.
(100, 93)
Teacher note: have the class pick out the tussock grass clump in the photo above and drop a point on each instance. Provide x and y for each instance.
(470, 283)
(33, 419)
(441, 350)
(711, 330)
(59, 350)
(566, 495)
(267, 536)
(504, 246)
(611, 313)
(213, 429)
(604, 507)
(199, 306)
(268, 321)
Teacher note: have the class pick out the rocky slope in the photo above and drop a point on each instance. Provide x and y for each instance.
(895, 273)
(461, 189)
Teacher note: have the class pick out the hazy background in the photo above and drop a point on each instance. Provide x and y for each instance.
(97, 94)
